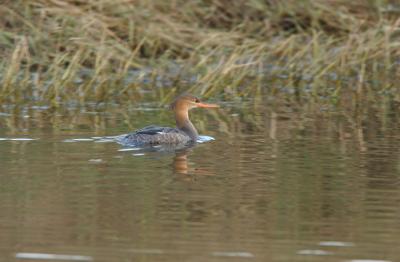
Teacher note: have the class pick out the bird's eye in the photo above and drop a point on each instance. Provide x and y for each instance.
(197, 100)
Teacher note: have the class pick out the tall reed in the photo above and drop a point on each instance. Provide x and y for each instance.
(56, 51)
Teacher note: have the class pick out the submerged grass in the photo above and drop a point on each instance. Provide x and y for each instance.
(331, 51)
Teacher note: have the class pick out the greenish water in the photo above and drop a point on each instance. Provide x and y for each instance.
(277, 184)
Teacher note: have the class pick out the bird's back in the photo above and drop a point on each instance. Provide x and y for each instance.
(154, 135)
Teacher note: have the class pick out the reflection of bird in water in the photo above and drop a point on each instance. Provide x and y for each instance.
(181, 165)
(184, 133)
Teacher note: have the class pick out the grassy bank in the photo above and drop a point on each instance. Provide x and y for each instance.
(56, 51)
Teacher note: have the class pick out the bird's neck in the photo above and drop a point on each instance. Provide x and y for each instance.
(183, 123)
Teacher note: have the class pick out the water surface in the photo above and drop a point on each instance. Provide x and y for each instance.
(277, 184)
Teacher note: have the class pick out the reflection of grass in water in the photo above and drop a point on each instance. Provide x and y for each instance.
(275, 120)
(60, 51)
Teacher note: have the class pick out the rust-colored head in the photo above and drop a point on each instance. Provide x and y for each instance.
(186, 102)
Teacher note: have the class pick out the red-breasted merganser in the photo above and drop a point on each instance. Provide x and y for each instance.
(184, 133)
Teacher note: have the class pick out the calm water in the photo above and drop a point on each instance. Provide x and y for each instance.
(275, 185)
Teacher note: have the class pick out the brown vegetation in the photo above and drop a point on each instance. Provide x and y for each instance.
(56, 51)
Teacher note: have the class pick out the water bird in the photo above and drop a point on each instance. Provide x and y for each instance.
(184, 133)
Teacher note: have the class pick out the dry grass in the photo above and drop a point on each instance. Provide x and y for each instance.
(60, 51)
